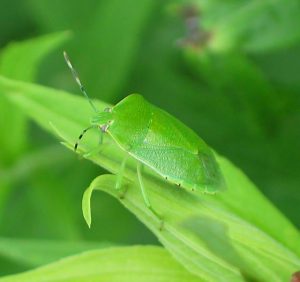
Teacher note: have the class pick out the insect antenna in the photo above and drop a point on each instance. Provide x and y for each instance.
(81, 135)
(76, 77)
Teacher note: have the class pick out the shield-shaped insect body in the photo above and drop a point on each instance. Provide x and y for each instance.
(162, 143)
(158, 141)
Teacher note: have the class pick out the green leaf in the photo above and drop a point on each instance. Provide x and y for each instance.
(190, 254)
(19, 60)
(143, 264)
(259, 240)
(237, 250)
(32, 253)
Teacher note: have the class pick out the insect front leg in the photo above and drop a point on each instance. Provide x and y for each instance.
(100, 138)
(145, 197)
(81, 135)
(95, 150)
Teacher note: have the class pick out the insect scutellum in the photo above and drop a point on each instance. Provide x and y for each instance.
(100, 120)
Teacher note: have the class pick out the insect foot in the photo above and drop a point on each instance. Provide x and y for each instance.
(123, 192)
(158, 217)
(161, 225)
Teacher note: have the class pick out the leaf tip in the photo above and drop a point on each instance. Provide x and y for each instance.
(86, 206)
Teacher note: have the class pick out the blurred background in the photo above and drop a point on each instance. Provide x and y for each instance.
(228, 69)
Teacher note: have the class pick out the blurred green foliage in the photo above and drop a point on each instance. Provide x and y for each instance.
(239, 90)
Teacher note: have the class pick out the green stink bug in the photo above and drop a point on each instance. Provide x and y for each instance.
(158, 141)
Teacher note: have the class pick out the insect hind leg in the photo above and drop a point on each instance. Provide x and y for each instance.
(145, 197)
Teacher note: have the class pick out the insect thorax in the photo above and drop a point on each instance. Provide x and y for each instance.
(102, 118)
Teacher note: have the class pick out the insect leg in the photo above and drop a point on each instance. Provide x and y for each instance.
(144, 194)
(101, 138)
(81, 135)
(120, 174)
(95, 150)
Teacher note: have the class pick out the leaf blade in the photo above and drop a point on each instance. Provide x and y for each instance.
(146, 264)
